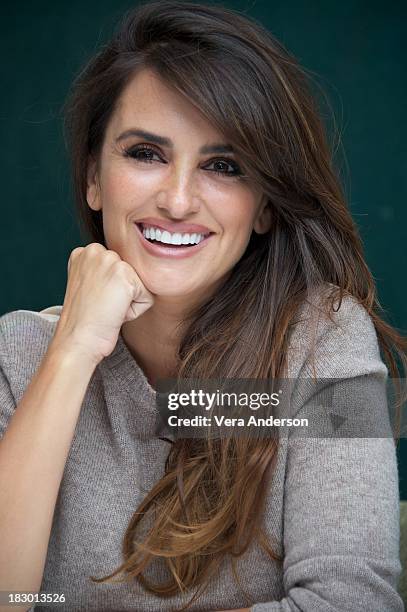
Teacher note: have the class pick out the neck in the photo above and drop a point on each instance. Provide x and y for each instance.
(154, 337)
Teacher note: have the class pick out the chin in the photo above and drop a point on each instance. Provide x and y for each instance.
(172, 287)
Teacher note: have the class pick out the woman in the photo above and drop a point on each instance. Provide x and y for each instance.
(194, 125)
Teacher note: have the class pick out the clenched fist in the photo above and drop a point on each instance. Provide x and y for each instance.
(102, 293)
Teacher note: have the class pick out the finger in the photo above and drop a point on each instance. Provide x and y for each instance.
(140, 293)
(73, 255)
(139, 307)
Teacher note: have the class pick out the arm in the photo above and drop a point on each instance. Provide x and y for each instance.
(341, 531)
(33, 452)
(341, 503)
(341, 534)
(35, 446)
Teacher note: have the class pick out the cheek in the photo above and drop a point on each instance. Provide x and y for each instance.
(236, 216)
(125, 189)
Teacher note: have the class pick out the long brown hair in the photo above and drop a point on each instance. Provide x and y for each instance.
(212, 494)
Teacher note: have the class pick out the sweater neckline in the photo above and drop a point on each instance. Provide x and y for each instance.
(126, 366)
(129, 394)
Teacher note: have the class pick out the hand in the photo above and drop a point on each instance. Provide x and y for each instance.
(102, 293)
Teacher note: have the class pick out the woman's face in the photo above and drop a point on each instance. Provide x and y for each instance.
(172, 183)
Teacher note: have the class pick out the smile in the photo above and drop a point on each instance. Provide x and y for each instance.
(177, 238)
(165, 244)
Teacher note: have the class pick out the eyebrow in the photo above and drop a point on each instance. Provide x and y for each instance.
(166, 142)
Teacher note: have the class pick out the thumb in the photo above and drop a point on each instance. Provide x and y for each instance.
(137, 308)
(142, 300)
(140, 304)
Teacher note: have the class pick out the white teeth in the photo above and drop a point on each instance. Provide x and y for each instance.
(176, 239)
(168, 238)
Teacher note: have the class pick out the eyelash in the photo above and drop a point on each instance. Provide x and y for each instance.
(133, 150)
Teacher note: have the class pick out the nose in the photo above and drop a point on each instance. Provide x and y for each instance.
(178, 199)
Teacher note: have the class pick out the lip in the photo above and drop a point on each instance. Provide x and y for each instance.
(190, 228)
(161, 250)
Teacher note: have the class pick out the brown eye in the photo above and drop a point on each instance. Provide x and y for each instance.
(141, 153)
(226, 162)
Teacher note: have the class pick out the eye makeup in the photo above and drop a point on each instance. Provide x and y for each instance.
(144, 149)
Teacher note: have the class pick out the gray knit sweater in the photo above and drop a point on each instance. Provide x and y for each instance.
(332, 508)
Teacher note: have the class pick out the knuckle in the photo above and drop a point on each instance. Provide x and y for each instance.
(112, 255)
(125, 271)
(73, 255)
(120, 265)
(95, 247)
(76, 251)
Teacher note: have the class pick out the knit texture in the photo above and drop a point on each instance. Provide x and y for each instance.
(332, 509)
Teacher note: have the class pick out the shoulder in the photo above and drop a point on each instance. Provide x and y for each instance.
(334, 339)
(24, 339)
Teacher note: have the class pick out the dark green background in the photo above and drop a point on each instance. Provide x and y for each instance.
(357, 49)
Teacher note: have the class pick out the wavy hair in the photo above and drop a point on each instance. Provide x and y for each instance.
(209, 500)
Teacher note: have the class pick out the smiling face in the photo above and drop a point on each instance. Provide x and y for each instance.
(176, 182)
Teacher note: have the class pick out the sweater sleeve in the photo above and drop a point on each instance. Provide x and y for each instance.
(341, 498)
(7, 400)
(24, 339)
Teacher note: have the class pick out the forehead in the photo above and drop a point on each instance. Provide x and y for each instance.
(149, 103)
